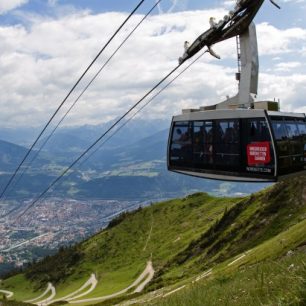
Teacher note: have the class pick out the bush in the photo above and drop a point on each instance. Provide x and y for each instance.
(54, 268)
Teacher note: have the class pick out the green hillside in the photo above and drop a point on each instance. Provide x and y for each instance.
(195, 242)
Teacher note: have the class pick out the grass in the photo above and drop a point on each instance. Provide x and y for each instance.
(118, 255)
(13, 303)
(272, 282)
(185, 237)
(22, 288)
(249, 223)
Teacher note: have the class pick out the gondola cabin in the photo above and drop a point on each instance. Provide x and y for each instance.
(238, 139)
(251, 145)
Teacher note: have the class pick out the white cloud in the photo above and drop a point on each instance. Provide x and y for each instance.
(229, 3)
(6, 5)
(287, 66)
(290, 90)
(39, 65)
(273, 41)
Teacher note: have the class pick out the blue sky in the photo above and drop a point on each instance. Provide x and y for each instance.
(291, 10)
(45, 45)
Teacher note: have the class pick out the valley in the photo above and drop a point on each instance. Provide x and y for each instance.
(238, 249)
(53, 224)
(121, 177)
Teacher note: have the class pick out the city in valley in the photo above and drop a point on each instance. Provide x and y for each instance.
(52, 223)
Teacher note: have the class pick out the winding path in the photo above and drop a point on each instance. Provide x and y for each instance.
(41, 296)
(141, 281)
(239, 258)
(49, 299)
(8, 294)
(148, 271)
(92, 282)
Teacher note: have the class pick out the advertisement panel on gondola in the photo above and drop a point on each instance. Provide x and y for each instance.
(258, 153)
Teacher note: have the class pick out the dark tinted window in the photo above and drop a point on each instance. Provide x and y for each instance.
(202, 142)
(302, 127)
(292, 129)
(227, 131)
(181, 144)
(227, 143)
(288, 133)
(181, 134)
(257, 130)
(198, 140)
(279, 129)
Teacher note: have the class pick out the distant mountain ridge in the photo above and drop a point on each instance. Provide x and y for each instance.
(25, 136)
(131, 165)
(10, 155)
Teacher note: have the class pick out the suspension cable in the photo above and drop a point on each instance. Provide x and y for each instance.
(82, 93)
(98, 140)
(133, 116)
(68, 95)
(116, 131)
(140, 109)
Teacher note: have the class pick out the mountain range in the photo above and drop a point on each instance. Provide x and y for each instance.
(131, 165)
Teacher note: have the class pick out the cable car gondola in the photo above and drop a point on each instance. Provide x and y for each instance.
(238, 139)
(238, 145)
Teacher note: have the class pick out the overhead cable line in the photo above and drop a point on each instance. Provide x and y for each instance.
(137, 112)
(124, 124)
(140, 109)
(83, 91)
(98, 140)
(68, 95)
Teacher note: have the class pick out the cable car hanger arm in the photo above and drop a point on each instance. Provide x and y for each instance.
(233, 24)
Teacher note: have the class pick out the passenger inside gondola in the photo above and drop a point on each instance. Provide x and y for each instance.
(181, 148)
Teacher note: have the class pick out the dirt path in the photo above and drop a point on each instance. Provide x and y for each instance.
(148, 271)
(92, 282)
(205, 274)
(49, 299)
(175, 290)
(41, 296)
(8, 294)
(239, 258)
(161, 294)
(149, 236)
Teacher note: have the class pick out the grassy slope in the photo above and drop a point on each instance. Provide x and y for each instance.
(265, 283)
(268, 275)
(264, 228)
(186, 237)
(118, 255)
(248, 224)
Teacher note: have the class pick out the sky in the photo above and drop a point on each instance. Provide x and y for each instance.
(46, 45)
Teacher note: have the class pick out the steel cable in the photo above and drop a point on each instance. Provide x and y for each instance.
(67, 96)
(133, 116)
(98, 140)
(82, 93)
